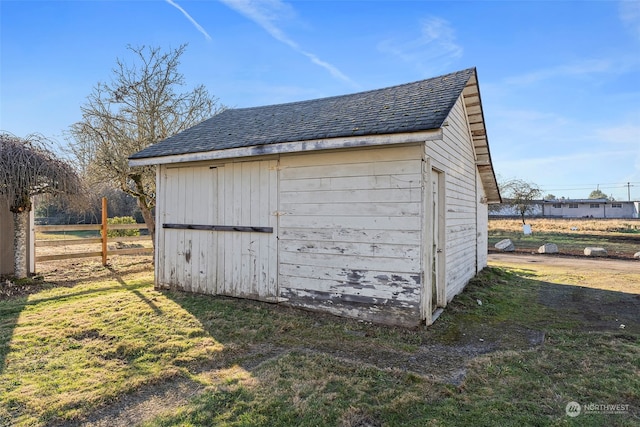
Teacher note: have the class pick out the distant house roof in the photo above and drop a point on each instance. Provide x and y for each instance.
(578, 201)
(413, 107)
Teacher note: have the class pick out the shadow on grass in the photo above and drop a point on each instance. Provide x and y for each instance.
(592, 309)
(10, 310)
(118, 277)
(12, 305)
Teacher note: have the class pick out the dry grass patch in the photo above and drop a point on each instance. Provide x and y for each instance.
(621, 238)
(568, 225)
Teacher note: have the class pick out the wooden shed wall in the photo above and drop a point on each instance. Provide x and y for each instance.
(455, 157)
(350, 232)
(236, 263)
(348, 226)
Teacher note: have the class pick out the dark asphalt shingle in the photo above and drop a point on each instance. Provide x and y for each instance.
(410, 107)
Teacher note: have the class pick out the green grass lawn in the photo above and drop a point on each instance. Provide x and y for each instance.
(70, 351)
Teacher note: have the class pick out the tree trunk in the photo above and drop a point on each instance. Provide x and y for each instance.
(20, 248)
(149, 220)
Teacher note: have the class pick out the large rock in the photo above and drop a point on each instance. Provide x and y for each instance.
(636, 255)
(548, 248)
(505, 245)
(595, 251)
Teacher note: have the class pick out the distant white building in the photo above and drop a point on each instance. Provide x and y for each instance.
(574, 208)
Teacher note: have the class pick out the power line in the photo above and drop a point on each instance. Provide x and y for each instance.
(595, 186)
(599, 187)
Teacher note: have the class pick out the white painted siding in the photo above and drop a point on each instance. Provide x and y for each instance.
(242, 264)
(567, 208)
(588, 209)
(350, 232)
(455, 157)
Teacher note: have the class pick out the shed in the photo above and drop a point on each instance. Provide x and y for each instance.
(6, 241)
(371, 205)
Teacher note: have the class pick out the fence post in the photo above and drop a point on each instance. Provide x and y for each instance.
(104, 231)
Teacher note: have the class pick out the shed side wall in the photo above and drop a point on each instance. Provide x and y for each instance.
(350, 232)
(454, 155)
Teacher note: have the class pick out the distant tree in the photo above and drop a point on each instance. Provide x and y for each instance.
(598, 194)
(550, 197)
(27, 169)
(138, 107)
(59, 211)
(520, 194)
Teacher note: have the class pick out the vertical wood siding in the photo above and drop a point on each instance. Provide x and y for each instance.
(350, 232)
(454, 154)
(242, 264)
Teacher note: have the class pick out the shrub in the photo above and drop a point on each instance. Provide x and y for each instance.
(122, 220)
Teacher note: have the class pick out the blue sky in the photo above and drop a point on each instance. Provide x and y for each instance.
(560, 80)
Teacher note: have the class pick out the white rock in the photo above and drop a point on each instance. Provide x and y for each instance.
(505, 245)
(595, 251)
(636, 255)
(548, 248)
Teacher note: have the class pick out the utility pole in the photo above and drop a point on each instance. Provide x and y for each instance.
(628, 191)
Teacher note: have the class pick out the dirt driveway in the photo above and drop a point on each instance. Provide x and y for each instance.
(599, 294)
(569, 262)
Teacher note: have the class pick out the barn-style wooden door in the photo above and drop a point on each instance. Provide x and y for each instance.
(220, 229)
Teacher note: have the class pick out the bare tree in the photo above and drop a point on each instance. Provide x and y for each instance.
(520, 194)
(139, 107)
(27, 169)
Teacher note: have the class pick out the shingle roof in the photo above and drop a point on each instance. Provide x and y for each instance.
(411, 107)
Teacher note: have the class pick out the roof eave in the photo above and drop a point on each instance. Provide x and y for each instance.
(293, 147)
(475, 115)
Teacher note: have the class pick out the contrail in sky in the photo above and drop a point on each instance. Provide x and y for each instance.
(193, 21)
(265, 13)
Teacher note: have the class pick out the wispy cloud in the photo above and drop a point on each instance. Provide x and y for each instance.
(630, 15)
(268, 14)
(627, 133)
(193, 21)
(435, 44)
(582, 68)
